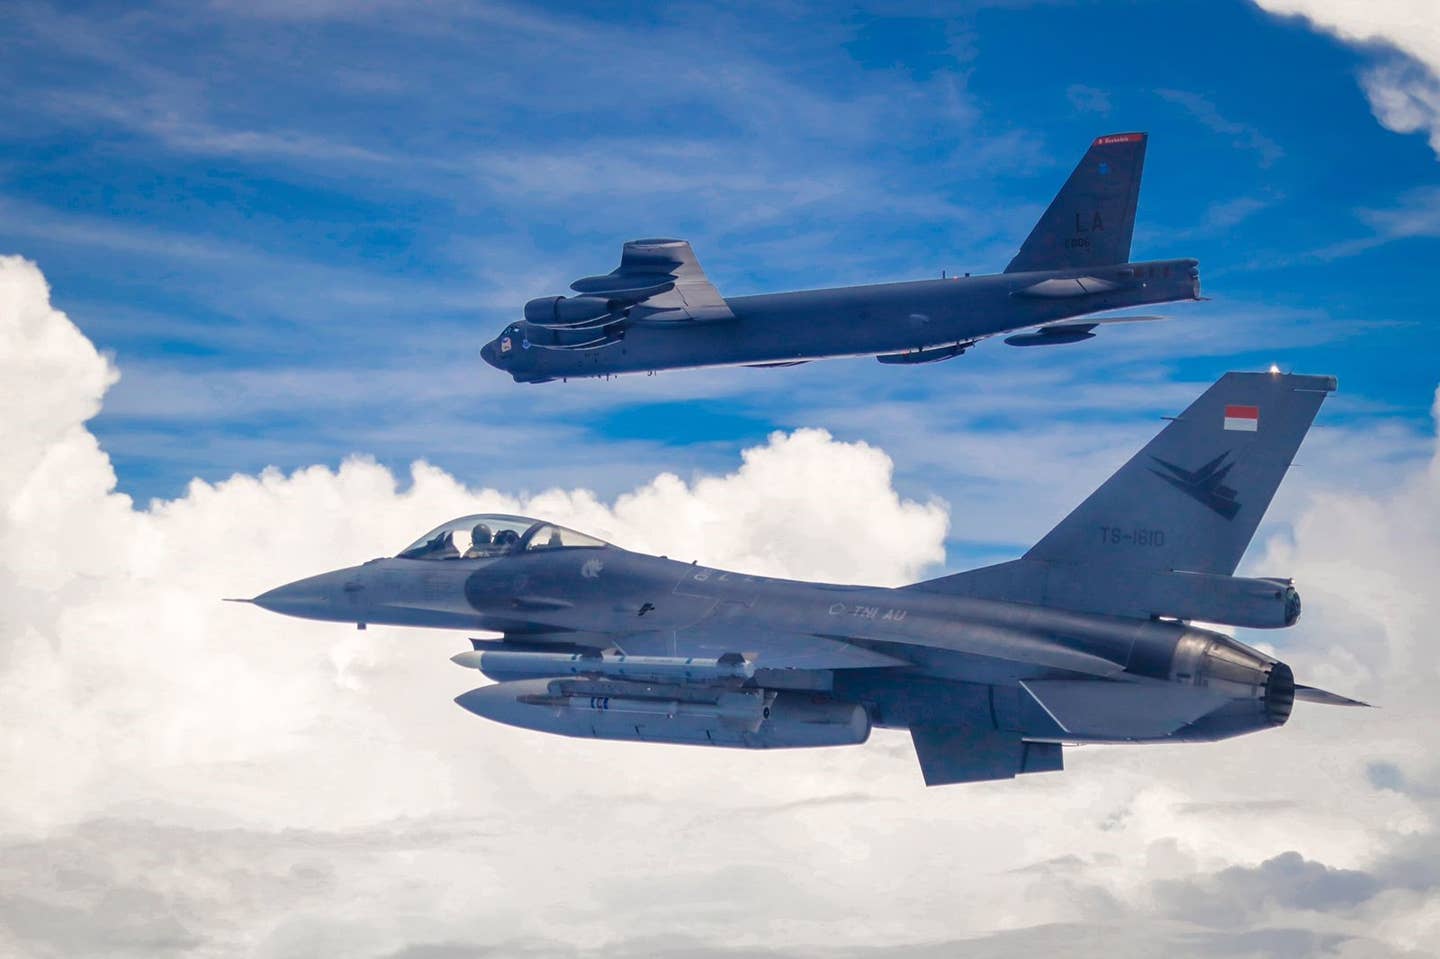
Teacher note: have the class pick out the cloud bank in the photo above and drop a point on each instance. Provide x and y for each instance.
(185, 777)
(1404, 87)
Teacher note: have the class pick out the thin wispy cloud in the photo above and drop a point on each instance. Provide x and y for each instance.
(1246, 136)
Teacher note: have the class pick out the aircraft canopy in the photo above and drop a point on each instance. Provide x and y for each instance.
(482, 535)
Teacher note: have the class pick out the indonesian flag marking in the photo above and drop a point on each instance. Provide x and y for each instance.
(1246, 418)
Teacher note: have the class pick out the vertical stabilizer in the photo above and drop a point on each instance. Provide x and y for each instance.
(1164, 534)
(1093, 216)
(1192, 498)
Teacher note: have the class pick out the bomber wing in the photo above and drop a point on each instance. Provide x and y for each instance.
(657, 282)
(676, 287)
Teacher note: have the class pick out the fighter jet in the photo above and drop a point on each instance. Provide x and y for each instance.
(658, 311)
(1087, 638)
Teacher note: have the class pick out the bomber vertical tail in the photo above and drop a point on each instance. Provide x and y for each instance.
(1091, 219)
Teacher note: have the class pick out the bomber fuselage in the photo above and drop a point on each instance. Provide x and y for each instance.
(899, 321)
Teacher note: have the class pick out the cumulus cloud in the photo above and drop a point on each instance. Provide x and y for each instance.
(184, 777)
(1404, 89)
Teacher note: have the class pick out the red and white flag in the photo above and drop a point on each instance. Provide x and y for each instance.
(1245, 418)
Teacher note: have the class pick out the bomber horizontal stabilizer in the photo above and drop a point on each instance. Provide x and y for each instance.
(1070, 331)
(1058, 289)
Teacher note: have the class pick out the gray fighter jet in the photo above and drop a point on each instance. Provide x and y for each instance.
(658, 311)
(1085, 639)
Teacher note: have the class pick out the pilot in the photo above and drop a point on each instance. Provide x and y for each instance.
(506, 540)
(480, 539)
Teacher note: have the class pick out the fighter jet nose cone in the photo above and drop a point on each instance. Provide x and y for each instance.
(278, 600)
(311, 598)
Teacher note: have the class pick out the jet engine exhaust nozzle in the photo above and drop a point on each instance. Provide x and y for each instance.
(1279, 694)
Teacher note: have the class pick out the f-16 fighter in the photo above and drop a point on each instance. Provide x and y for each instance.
(1087, 638)
(658, 311)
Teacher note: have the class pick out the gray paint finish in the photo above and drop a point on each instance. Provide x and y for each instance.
(658, 310)
(1084, 640)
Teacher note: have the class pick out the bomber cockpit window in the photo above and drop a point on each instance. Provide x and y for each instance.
(487, 535)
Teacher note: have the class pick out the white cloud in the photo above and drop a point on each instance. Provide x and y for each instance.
(187, 777)
(1088, 99)
(1246, 136)
(1404, 90)
(113, 616)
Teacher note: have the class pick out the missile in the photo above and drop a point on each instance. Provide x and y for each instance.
(730, 669)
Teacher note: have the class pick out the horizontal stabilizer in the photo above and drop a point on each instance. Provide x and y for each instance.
(1322, 697)
(1103, 709)
(1063, 289)
(1070, 331)
(597, 343)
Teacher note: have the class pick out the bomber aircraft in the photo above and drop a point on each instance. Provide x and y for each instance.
(1087, 638)
(658, 311)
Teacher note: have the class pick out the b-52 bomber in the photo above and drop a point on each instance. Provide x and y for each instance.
(1085, 639)
(658, 311)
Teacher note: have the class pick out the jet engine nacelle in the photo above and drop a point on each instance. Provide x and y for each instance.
(1250, 691)
(702, 716)
(567, 312)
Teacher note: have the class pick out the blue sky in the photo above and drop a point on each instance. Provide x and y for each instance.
(292, 223)
(295, 224)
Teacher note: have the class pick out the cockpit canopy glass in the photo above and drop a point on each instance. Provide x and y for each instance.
(483, 535)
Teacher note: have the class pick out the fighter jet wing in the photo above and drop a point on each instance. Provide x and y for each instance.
(768, 650)
(662, 281)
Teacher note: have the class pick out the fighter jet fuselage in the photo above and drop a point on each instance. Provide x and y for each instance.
(907, 655)
(1086, 638)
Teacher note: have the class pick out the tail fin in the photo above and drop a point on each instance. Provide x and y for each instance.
(1188, 503)
(1091, 219)
(1192, 498)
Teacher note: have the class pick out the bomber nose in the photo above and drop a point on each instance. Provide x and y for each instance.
(488, 354)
